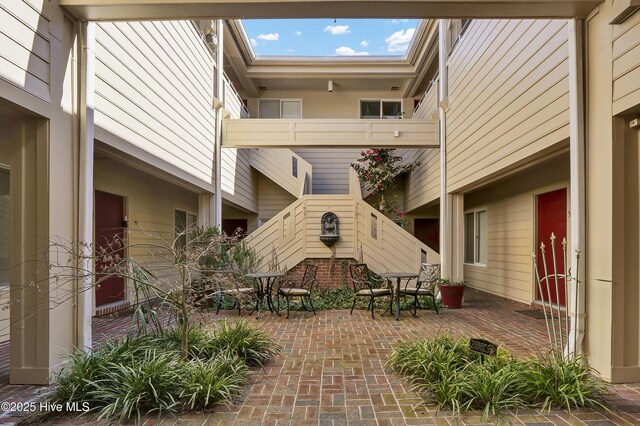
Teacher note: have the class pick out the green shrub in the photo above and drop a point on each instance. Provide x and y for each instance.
(555, 381)
(251, 345)
(139, 375)
(446, 371)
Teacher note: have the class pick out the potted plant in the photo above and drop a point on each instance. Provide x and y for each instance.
(452, 293)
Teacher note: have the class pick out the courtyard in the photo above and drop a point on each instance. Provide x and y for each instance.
(331, 370)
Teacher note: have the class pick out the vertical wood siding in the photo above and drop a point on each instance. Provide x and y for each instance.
(626, 64)
(508, 95)
(25, 45)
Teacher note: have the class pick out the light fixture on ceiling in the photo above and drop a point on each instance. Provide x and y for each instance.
(330, 86)
(262, 88)
(395, 88)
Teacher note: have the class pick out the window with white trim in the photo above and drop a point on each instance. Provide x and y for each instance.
(184, 221)
(280, 108)
(475, 237)
(380, 108)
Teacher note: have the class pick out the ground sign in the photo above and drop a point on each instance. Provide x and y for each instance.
(483, 346)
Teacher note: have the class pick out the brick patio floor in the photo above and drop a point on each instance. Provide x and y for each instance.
(331, 370)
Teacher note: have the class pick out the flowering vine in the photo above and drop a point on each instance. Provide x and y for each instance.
(378, 169)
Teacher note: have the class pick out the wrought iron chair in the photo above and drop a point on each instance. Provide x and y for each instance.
(429, 276)
(299, 288)
(366, 285)
(228, 285)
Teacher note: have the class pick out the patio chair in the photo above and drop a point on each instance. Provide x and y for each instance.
(366, 285)
(228, 285)
(302, 288)
(429, 276)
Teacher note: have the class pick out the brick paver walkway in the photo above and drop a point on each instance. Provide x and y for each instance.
(331, 370)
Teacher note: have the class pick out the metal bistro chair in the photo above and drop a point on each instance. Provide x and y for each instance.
(365, 285)
(429, 276)
(299, 288)
(228, 285)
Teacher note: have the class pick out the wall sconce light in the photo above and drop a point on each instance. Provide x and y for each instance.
(330, 86)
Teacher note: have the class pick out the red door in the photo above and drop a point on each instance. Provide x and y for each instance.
(109, 212)
(428, 231)
(551, 218)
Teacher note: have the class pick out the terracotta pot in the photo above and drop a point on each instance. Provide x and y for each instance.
(452, 296)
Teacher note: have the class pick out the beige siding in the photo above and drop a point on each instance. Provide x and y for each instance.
(25, 45)
(150, 206)
(273, 199)
(277, 165)
(294, 235)
(154, 89)
(239, 182)
(510, 207)
(626, 64)
(422, 186)
(508, 95)
(330, 166)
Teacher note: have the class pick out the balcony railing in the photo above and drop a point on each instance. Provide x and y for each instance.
(232, 100)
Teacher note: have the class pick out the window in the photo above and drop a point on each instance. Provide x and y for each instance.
(374, 226)
(294, 166)
(280, 108)
(376, 109)
(183, 222)
(5, 228)
(475, 237)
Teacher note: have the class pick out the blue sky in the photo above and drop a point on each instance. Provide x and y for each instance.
(323, 37)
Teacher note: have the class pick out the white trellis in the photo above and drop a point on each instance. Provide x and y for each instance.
(562, 331)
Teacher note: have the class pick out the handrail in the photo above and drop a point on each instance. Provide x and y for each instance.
(292, 239)
(432, 85)
(355, 188)
(232, 100)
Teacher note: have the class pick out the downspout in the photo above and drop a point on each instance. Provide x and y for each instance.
(445, 259)
(218, 93)
(84, 295)
(577, 146)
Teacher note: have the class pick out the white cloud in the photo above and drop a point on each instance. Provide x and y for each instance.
(347, 51)
(364, 43)
(254, 42)
(269, 37)
(398, 42)
(337, 29)
(298, 33)
(290, 50)
(397, 21)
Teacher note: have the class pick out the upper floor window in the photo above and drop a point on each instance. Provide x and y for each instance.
(280, 108)
(5, 228)
(379, 108)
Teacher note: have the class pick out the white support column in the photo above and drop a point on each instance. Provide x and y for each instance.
(206, 209)
(445, 237)
(218, 93)
(577, 185)
(85, 201)
(456, 218)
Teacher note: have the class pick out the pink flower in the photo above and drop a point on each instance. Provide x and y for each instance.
(368, 151)
(401, 215)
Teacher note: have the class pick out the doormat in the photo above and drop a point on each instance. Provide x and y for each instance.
(531, 313)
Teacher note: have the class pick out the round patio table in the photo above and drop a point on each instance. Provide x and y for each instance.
(265, 282)
(399, 276)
